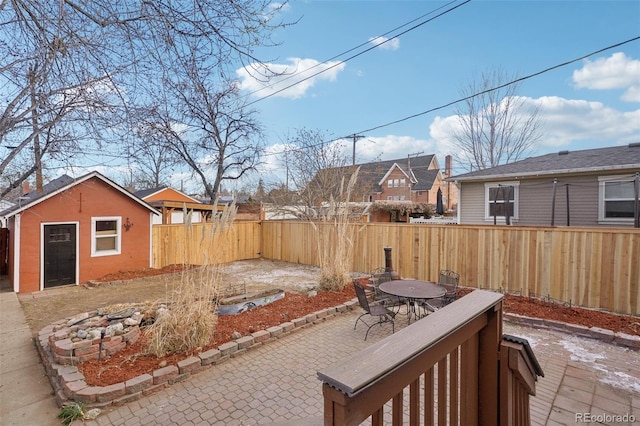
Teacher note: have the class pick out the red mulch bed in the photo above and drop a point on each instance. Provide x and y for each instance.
(132, 361)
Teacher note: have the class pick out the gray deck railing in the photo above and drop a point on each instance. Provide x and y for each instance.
(449, 362)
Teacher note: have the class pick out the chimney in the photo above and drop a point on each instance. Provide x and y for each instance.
(447, 165)
(25, 187)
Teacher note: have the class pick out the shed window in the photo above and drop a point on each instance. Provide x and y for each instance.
(105, 236)
(501, 200)
(617, 198)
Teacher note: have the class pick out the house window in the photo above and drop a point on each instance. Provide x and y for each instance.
(390, 183)
(617, 197)
(396, 182)
(105, 236)
(501, 200)
(403, 182)
(389, 197)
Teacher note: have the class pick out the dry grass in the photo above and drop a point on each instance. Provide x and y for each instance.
(335, 238)
(190, 321)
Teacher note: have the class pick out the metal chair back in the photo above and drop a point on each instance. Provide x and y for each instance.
(362, 296)
(449, 280)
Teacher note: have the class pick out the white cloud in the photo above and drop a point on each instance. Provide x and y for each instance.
(615, 72)
(564, 121)
(301, 74)
(385, 43)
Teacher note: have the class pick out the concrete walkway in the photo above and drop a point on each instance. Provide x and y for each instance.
(277, 383)
(26, 397)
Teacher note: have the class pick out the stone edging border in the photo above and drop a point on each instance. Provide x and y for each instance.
(608, 336)
(69, 384)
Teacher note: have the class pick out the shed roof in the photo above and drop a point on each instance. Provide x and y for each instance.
(61, 184)
(144, 193)
(596, 160)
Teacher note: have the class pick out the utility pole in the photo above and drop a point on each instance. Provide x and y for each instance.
(31, 75)
(355, 139)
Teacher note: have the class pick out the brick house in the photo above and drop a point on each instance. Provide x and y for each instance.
(76, 230)
(406, 182)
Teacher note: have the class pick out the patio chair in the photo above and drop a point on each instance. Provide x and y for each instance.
(449, 280)
(379, 276)
(374, 310)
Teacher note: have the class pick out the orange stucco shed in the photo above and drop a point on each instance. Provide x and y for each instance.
(76, 230)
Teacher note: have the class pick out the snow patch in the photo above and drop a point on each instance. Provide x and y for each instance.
(583, 354)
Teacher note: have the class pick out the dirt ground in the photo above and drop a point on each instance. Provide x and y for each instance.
(46, 307)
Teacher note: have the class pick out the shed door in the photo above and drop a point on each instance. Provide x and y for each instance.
(59, 255)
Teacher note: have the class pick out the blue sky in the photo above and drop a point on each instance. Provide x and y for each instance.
(590, 103)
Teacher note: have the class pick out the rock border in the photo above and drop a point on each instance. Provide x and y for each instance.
(69, 384)
(608, 336)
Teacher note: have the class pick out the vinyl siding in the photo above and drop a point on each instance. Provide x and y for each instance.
(472, 203)
(536, 200)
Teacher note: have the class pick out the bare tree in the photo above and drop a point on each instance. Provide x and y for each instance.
(151, 160)
(316, 165)
(496, 126)
(86, 65)
(211, 132)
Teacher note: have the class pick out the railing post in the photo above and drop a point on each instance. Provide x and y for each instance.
(334, 406)
(489, 341)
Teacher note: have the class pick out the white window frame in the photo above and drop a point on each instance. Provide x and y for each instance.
(403, 182)
(516, 200)
(390, 183)
(602, 181)
(396, 183)
(118, 236)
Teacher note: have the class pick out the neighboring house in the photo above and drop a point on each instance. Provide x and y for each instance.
(76, 230)
(172, 205)
(4, 205)
(406, 181)
(570, 188)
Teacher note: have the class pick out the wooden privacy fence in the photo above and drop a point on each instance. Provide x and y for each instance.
(194, 244)
(453, 363)
(591, 267)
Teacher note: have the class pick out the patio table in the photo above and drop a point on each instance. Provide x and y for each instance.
(413, 291)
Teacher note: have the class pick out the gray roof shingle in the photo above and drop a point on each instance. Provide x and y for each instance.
(564, 162)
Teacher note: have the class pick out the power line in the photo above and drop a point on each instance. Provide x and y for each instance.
(563, 64)
(357, 54)
(518, 80)
(358, 46)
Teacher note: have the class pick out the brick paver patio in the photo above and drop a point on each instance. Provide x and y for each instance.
(277, 382)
